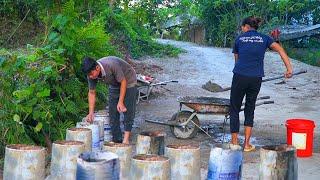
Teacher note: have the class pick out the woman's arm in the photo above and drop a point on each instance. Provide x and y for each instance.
(276, 47)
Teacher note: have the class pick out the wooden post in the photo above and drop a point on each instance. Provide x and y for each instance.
(150, 143)
(24, 162)
(124, 152)
(80, 134)
(185, 161)
(64, 159)
(278, 162)
(146, 166)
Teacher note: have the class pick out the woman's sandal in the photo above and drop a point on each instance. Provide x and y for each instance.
(252, 148)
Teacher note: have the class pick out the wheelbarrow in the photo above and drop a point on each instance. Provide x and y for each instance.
(145, 85)
(185, 124)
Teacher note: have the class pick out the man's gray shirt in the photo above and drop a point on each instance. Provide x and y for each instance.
(113, 71)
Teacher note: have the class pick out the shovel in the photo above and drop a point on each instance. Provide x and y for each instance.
(264, 80)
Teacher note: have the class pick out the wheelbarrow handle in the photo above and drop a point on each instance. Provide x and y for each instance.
(261, 103)
(270, 79)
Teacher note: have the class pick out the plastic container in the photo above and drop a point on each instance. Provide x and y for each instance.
(300, 135)
(103, 116)
(95, 134)
(225, 162)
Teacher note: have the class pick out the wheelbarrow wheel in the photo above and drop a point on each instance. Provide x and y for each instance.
(190, 130)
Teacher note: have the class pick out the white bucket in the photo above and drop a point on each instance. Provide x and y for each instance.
(225, 163)
(104, 116)
(95, 134)
(101, 130)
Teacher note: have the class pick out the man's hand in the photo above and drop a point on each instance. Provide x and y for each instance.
(121, 107)
(288, 73)
(90, 117)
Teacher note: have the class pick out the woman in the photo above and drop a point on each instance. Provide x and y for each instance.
(249, 50)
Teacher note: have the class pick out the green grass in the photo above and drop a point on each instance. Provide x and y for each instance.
(307, 55)
(307, 51)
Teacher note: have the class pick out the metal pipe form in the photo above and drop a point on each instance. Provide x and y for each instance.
(185, 161)
(80, 134)
(24, 162)
(150, 143)
(64, 159)
(147, 166)
(95, 134)
(124, 152)
(278, 162)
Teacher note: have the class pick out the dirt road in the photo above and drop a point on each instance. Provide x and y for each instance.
(298, 97)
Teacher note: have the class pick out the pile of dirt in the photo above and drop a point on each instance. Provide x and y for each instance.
(212, 87)
(146, 69)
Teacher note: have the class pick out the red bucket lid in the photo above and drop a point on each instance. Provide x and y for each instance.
(300, 123)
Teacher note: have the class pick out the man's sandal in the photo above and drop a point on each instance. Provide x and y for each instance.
(252, 148)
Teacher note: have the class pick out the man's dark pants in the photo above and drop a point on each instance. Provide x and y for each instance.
(130, 103)
(243, 86)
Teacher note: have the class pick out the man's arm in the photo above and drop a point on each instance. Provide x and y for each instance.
(92, 102)
(276, 47)
(123, 88)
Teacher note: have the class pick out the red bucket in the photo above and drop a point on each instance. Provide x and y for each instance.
(300, 135)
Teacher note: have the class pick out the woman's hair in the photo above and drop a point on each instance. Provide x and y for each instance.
(252, 22)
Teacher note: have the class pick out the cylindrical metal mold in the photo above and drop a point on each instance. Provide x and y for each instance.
(278, 162)
(101, 131)
(64, 159)
(150, 142)
(185, 161)
(95, 134)
(104, 117)
(225, 162)
(100, 165)
(80, 134)
(24, 162)
(148, 166)
(124, 152)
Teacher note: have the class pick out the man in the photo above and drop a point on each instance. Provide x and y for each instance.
(121, 78)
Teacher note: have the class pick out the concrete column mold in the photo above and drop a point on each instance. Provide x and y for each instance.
(147, 166)
(24, 162)
(278, 162)
(80, 134)
(150, 143)
(64, 159)
(124, 152)
(185, 161)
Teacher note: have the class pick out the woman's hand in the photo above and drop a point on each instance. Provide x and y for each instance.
(288, 73)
